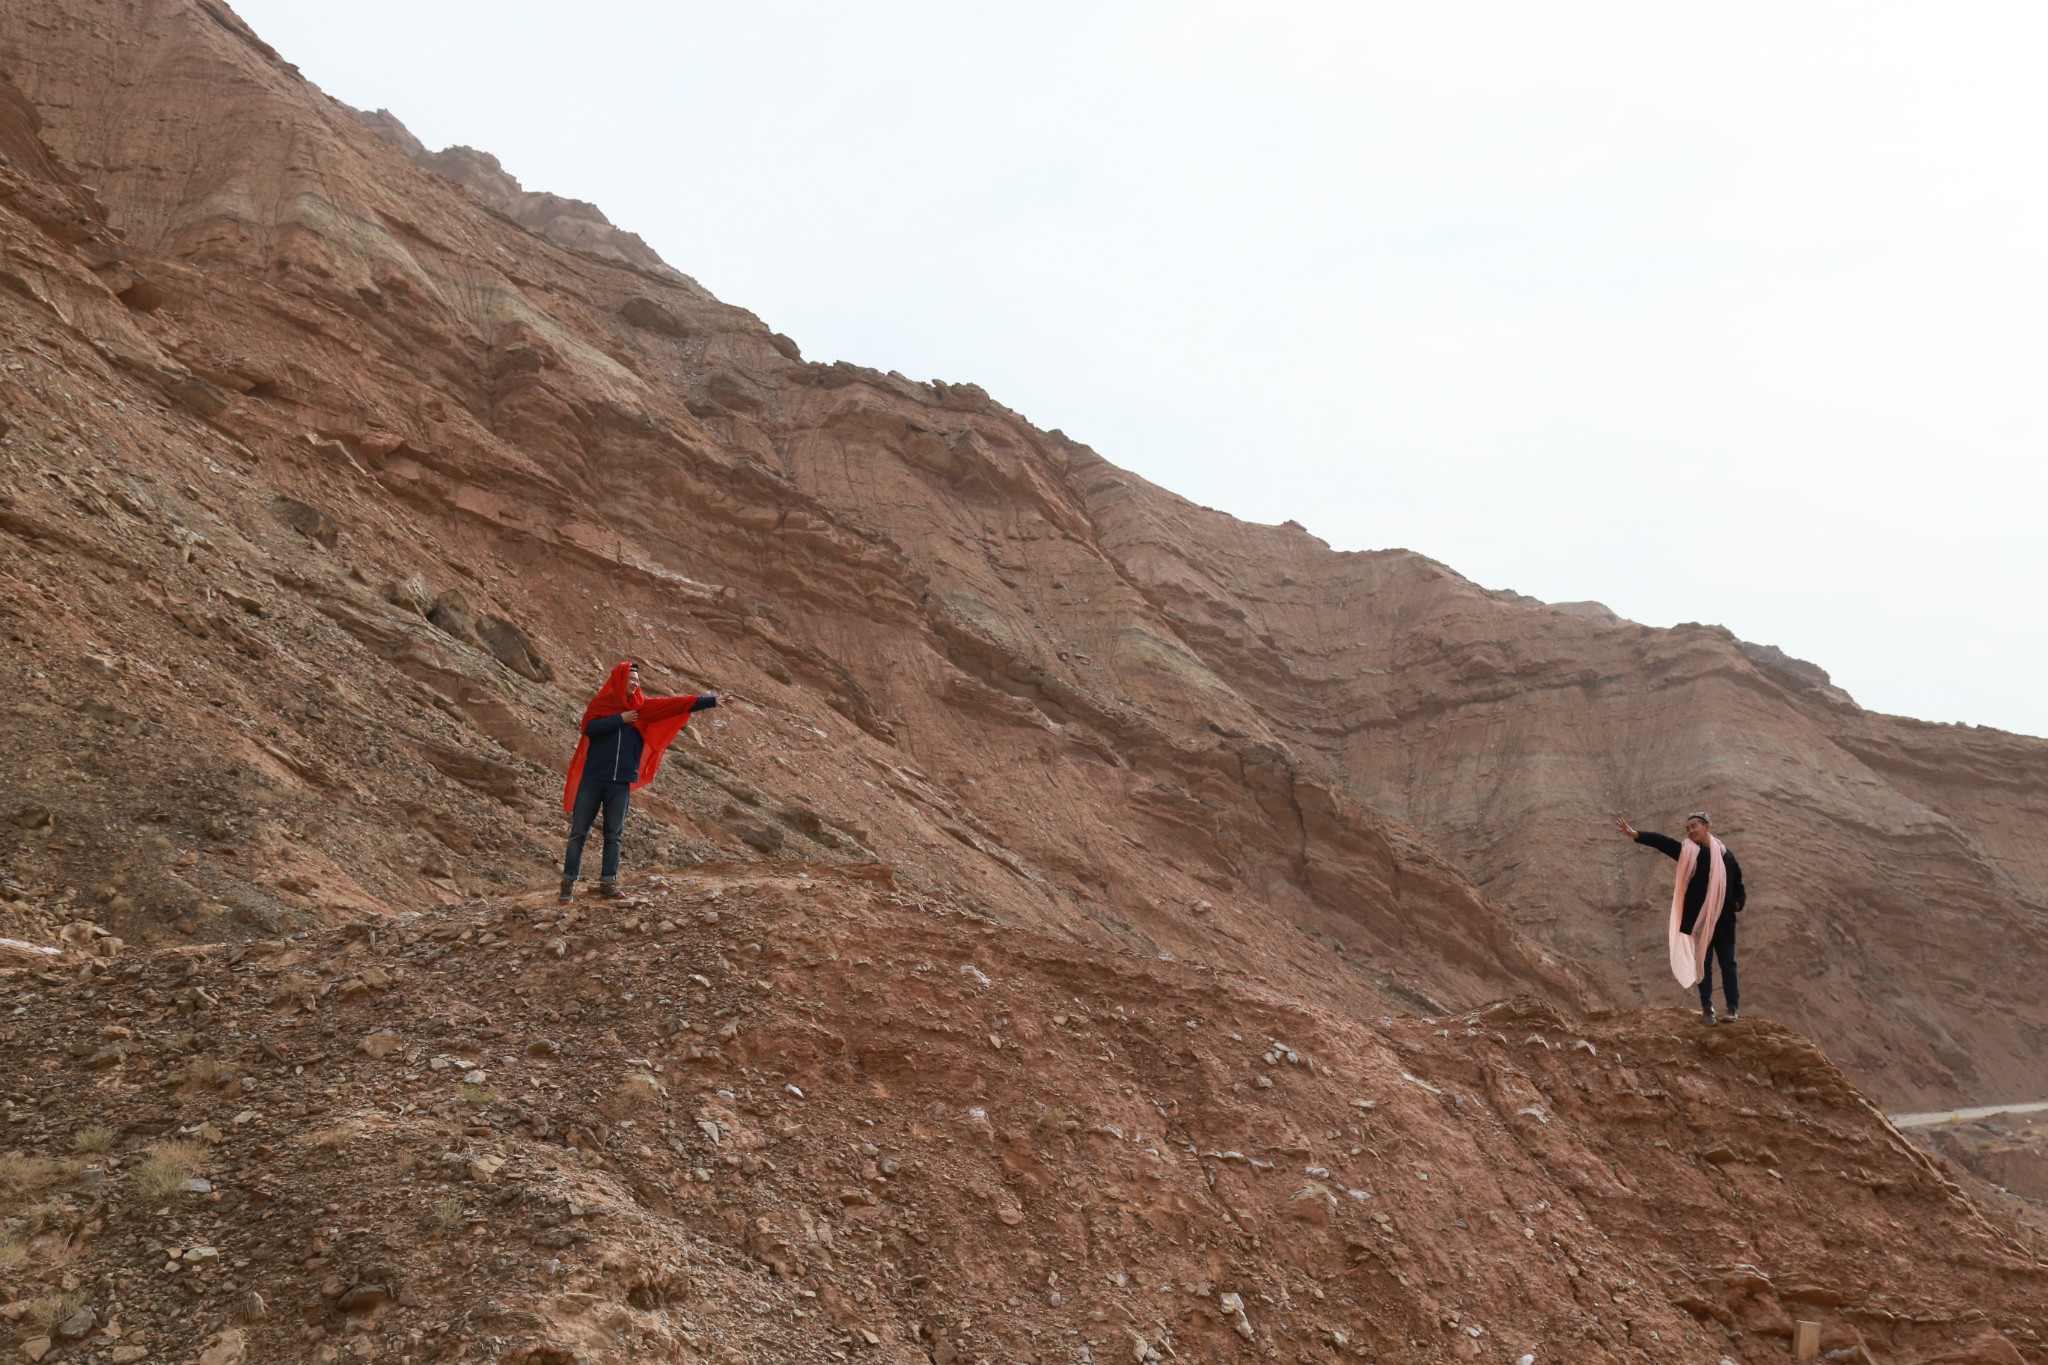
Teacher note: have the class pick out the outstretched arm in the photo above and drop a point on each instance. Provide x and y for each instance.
(668, 708)
(1663, 843)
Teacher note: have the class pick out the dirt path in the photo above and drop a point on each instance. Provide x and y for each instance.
(1982, 1111)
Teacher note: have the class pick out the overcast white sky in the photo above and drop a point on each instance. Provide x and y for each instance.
(1730, 313)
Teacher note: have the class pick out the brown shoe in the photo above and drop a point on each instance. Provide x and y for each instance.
(609, 889)
(1707, 1017)
(568, 892)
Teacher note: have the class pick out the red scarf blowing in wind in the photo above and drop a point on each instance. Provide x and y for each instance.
(661, 720)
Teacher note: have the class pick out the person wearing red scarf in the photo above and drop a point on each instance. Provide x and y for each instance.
(624, 736)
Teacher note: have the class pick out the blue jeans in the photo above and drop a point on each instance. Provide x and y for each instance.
(613, 796)
(1723, 947)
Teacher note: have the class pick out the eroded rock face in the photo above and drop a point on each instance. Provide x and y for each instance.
(458, 460)
(1033, 684)
(1896, 908)
(572, 222)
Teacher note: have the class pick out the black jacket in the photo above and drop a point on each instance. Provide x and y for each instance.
(1696, 889)
(616, 747)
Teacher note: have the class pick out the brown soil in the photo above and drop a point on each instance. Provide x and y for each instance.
(774, 1111)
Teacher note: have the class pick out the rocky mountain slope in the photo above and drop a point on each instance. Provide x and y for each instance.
(863, 1125)
(1078, 895)
(333, 490)
(1899, 869)
(260, 353)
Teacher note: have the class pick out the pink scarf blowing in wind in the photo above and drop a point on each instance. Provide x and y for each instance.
(1689, 951)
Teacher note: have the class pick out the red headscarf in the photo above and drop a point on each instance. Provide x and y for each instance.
(661, 720)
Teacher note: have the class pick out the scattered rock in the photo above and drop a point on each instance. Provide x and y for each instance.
(381, 1044)
(645, 313)
(513, 648)
(361, 1297)
(76, 1325)
(308, 520)
(412, 593)
(227, 1348)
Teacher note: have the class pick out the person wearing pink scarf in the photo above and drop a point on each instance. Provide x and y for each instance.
(1706, 899)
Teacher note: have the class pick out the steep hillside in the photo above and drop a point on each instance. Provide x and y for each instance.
(332, 485)
(333, 491)
(1899, 870)
(1090, 928)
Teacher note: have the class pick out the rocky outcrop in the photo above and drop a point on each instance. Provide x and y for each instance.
(572, 222)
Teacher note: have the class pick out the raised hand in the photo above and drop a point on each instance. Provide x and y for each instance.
(1628, 831)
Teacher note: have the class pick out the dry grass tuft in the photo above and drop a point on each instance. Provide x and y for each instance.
(47, 1310)
(335, 1138)
(476, 1096)
(13, 1250)
(638, 1094)
(95, 1140)
(448, 1215)
(298, 993)
(22, 1175)
(203, 1071)
(167, 1166)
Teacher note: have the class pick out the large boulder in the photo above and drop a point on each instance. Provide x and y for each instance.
(513, 648)
(645, 313)
(451, 616)
(308, 520)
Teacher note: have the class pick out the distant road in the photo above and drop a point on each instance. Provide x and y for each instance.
(1982, 1111)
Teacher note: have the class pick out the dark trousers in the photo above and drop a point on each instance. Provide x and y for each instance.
(613, 797)
(1722, 947)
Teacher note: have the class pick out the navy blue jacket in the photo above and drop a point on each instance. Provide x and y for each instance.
(616, 747)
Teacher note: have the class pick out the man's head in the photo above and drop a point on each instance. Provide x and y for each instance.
(1698, 828)
(633, 676)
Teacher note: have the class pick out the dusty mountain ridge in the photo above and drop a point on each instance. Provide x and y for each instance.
(336, 471)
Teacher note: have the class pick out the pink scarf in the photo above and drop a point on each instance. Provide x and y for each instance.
(1689, 951)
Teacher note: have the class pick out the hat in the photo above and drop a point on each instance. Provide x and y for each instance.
(1700, 816)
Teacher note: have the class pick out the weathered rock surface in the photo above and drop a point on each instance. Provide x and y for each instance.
(457, 463)
(786, 1111)
(974, 676)
(572, 222)
(1900, 868)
